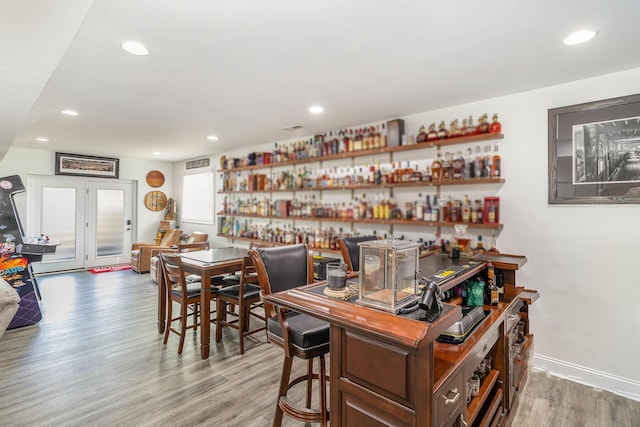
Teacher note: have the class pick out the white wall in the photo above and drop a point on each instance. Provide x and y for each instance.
(26, 161)
(581, 258)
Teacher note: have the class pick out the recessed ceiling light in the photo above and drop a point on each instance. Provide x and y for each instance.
(69, 112)
(579, 37)
(316, 109)
(42, 139)
(212, 138)
(157, 153)
(135, 48)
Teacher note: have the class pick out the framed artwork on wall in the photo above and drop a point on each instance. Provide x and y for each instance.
(92, 166)
(594, 152)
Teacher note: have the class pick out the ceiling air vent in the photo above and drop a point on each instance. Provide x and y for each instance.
(293, 127)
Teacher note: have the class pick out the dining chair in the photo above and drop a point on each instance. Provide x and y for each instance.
(300, 335)
(245, 295)
(183, 293)
(350, 250)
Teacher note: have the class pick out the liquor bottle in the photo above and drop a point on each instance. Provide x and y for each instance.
(363, 207)
(422, 135)
(483, 124)
(387, 207)
(458, 166)
(494, 296)
(372, 174)
(479, 246)
(454, 129)
(455, 211)
(383, 136)
(495, 163)
(357, 142)
(433, 133)
(420, 208)
(436, 169)
(471, 128)
(376, 208)
(378, 174)
(466, 209)
(477, 213)
(407, 173)
(491, 213)
(495, 126)
(487, 161)
(377, 142)
(446, 215)
(479, 163)
(427, 210)
(447, 168)
(442, 131)
(470, 165)
(435, 210)
(416, 176)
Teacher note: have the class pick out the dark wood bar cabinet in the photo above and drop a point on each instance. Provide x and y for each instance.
(390, 370)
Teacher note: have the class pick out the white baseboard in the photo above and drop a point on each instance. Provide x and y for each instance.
(587, 376)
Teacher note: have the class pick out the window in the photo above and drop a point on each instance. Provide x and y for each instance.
(198, 198)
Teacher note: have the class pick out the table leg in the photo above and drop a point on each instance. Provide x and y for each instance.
(205, 310)
(162, 304)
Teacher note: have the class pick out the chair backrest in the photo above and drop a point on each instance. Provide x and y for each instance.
(197, 237)
(281, 268)
(351, 250)
(191, 247)
(171, 237)
(173, 272)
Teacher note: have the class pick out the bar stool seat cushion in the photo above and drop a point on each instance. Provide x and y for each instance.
(306, 332)
(193, 290)
(250, 291)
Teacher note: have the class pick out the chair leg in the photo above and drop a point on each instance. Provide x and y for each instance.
(309, 381)
(167, 327)
(183, 326)
(221, 307)
(323, 392)
(241, 320)
(196, 308)
(284, 386)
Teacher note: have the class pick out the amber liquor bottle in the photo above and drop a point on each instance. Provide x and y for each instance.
(495, 163)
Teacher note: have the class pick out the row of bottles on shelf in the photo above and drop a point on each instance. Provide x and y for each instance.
(468, 128)
(380, 207)
(449, 167)
(314, 237)
(363, 138)
(323, 238)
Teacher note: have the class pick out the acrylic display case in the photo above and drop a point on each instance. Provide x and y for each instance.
(388, 274)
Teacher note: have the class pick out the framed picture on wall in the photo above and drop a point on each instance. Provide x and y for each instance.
(81, 165)
(594, 152)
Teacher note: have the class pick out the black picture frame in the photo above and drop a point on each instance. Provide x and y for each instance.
(594, 149)
(90, 166)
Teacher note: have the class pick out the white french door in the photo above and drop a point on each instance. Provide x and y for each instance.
(91, 218)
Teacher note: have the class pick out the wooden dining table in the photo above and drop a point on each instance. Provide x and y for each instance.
(205, 264)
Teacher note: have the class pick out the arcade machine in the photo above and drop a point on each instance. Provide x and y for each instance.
(17, 252)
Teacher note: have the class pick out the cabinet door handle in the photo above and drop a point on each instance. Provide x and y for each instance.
(464, 423)
(454, 399)
(513, 317)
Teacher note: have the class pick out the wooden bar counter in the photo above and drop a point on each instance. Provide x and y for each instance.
(390, 370)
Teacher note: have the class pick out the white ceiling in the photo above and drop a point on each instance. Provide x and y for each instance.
(244, 69)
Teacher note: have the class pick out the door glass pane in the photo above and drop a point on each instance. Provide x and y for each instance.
(109, 222)
(60, 221)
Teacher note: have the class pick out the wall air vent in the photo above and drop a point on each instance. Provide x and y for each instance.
(293, 127)
(200, 163)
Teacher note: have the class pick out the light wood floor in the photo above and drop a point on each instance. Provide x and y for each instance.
(96, 359)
